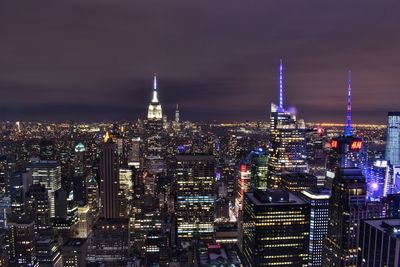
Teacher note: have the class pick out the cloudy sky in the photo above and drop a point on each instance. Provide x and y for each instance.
(89, 60)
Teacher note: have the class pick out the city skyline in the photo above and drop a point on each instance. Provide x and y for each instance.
(87, 61)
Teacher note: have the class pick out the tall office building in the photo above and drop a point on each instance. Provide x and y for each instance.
(47, 149)
(393, 138)
(21, 241)
(80, 179)
(177, 114)
(37, 202)
(93, 195)
(110, 242)
(155, 110)
(318, 200)
(347, 206)
(109, 182)
(275, 229)
(19, 184)
(134, 153)
(154, 148)
(347, 150)
(48, 174)
(379, 243)
(195, 196)
(287, 148)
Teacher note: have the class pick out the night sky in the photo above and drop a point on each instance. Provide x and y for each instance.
(87, 60)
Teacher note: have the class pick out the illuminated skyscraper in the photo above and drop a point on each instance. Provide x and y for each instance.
(48, 174)
(37, 202)
(347, 206)
(319, 203)
(80, 179)
(393, 138)
(177, 114)
(195, 195)
(109, 182)
(347, 150)
(154, 132)
(275, 229)
(287, 148)
(155, 110)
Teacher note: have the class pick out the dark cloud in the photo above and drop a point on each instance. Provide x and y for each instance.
(94, 59)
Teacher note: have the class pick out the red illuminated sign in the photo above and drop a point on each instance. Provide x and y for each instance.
(356, 145)
(243, 168)
(334, 144)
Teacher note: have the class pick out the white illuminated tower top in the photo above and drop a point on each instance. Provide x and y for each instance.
(155, 110)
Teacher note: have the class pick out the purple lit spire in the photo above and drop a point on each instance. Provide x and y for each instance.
(281, 86)
(348, 130)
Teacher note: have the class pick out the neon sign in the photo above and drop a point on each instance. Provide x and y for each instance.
(334, 144)
(356, 145)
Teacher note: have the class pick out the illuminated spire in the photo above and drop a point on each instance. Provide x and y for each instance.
(106, 137)
(177, 113)
(348, 130)
(281, 86)
(155, 98)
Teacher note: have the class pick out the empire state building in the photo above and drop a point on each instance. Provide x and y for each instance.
(155, 110)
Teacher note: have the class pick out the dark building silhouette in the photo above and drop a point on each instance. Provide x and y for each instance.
(109, 182)
(347, 206)
(379, 241)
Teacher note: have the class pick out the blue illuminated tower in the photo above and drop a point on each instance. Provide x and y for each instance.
(393, 138)
(281, 86)
(287, 146)
(348, 130)
(347, 149)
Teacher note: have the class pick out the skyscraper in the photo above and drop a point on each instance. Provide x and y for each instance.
(155, 110)
(347, 150)
(346, 209)
(48, 174)
(195, 196)
(379, 243)
(177, 114)
(287, 147)
(318, 200)
(109, 182)
(393, 138)
(80, 179)
(154, 134)
(21, 240)
(38, 208)
(275, 229)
